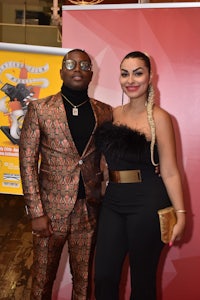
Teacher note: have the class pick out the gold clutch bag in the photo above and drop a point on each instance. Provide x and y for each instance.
(167, 218)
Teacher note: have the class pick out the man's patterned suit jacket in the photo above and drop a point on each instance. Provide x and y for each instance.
(52, 187)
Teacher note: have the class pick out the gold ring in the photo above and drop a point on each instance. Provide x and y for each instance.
(35, 233)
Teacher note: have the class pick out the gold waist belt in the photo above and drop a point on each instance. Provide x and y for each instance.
(127, 176)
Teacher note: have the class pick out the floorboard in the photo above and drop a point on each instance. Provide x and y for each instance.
(15, 249)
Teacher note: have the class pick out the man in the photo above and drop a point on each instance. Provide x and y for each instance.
(63, 197)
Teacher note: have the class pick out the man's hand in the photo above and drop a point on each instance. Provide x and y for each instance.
(41, 226)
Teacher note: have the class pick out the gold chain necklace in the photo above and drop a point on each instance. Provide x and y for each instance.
(75, 107)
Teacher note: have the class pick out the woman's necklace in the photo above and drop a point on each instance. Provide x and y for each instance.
(75, 107)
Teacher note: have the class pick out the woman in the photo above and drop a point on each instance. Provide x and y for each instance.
(140, 137)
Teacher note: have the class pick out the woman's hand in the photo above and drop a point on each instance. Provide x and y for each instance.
(178, 230)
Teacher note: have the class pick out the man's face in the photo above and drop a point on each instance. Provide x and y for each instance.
(76, 71)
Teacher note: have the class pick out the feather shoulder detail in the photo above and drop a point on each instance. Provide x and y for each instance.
(120, 138)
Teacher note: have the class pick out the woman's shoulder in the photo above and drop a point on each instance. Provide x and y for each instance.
(117, 112)
(117, 109)
(163, 122)
(160, 114)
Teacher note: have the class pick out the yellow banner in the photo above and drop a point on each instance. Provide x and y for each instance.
(26, 74)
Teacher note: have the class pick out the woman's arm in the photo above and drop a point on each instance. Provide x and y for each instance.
(169, 169)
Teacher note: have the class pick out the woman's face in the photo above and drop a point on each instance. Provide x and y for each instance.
(134, 77)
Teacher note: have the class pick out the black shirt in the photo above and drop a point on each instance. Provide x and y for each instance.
(81, 126)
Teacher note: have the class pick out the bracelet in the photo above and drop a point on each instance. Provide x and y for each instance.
(181, 211)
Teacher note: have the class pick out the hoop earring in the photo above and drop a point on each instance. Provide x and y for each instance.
(122, 98)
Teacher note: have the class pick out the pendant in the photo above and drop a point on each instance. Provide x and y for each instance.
(75, 111)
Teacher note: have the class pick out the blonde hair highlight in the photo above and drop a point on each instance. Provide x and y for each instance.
(149, 107)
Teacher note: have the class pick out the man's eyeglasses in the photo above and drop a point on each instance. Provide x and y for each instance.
(71, 64)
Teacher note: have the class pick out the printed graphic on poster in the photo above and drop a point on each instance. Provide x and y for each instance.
(24, 77)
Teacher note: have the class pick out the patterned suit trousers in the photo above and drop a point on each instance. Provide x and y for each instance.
(80, 235)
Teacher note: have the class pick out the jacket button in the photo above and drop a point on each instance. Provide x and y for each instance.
(80, 162)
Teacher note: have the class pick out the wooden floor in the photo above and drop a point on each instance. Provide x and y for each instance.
(15, 249)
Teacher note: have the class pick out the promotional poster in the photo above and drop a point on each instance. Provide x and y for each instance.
(26, 74)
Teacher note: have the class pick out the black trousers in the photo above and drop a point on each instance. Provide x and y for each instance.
(139, 236)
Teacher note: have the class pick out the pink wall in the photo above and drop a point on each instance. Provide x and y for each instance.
(171, 37)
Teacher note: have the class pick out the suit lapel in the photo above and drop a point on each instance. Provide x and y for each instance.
(60, 117)
(90, 147)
